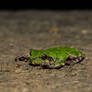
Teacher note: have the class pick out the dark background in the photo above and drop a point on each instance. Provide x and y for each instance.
(45, 5)
(68, 5)
(46, 8)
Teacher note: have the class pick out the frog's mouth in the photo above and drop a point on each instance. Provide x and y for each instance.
(73, 60)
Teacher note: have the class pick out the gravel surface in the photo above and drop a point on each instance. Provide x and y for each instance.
(22, 30)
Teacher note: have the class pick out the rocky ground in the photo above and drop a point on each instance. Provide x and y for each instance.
(22, 30)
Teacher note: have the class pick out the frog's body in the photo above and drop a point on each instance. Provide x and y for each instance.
(55, 57)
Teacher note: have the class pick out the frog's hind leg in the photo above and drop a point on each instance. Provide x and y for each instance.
(71, 60)
(78, 59)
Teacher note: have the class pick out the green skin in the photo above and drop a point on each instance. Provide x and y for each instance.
(56, 57)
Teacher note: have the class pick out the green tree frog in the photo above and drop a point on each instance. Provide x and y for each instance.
(53, 57)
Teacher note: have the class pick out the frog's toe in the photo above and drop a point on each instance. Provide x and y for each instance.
(80, 58)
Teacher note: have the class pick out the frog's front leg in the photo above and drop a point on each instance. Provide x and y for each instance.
(57, 64)
(47, 61)
(52, 64)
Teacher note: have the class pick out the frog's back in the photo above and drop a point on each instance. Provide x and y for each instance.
(57, 53)
(62, 52)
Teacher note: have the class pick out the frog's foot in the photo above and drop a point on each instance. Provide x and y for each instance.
(74, 59)
(44, 65)
(22, 58)
(48, 66)
(55, 67)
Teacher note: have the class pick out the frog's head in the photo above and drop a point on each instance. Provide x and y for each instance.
(26, 57)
